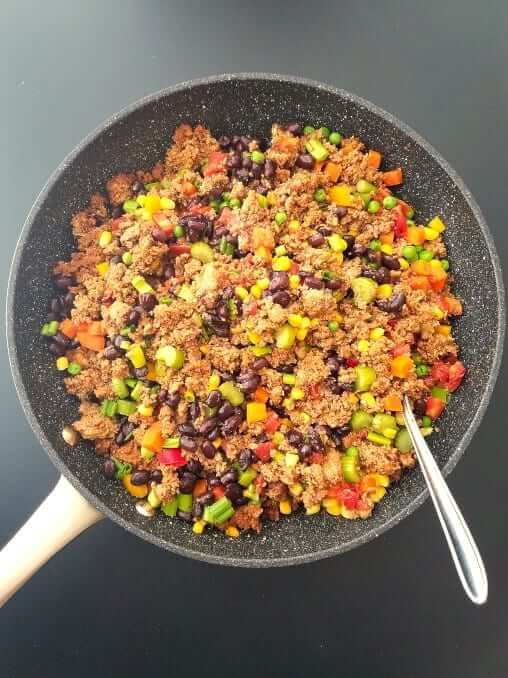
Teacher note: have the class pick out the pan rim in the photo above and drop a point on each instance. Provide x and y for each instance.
(95, 500)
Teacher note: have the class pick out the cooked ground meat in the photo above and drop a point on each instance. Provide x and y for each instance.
(241, 332)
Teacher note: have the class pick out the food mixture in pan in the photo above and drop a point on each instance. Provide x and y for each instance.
(241, 322)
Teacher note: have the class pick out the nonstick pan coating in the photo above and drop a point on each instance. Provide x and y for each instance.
(248, 103)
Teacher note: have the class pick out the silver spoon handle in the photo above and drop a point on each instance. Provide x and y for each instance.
(465, 554)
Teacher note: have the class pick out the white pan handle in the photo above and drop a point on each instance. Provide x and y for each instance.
(59, 519)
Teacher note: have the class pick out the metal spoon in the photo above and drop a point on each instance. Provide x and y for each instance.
(465, 554)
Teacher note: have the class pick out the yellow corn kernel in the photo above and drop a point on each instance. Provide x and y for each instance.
(310, 323)
(426, 431)
(145, 410)
(62, 364)
(297, 393)
(255, 412)
(306, 418)
(141, 199)
(312, 510)
(213, 382)
(189, 395)
(263, 283)
(389, 433)
(291, 459)
(296, 489)
(288, 404)
(437, 312)
(263, 253)
(294, 281)
(353, 398)
(256, 291)
(272, 198)
(217, 443)
(254, 338)
(280, 250)
(332, 506)
(160, 368)
(232, 531)
(368, 400)
(199, 527)
(102, 268)
(347, 513)
(152, 203)
(277, 456)
(363, 346)
(278, 438)
(381, 479)
(399, 418)
(384, 291)
(445, 330)
(404, 265)
(167, 204)
(204, 349)
(294, 226)
(285, 507)
(301, 333)
(146, 215)
(377, 494)
(337, 244)
(386, 248)
(338, 318)
(430, 233)
(241, 292)
(281, 263)
(105, 238)
(377, 333)
(436, 225)
(295, 320)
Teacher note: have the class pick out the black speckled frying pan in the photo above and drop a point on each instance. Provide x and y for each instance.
(136, 138)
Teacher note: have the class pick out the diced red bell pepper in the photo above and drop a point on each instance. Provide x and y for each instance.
(362, 505)
(294, 267)
(440, 373)
(455, 376)
(272, 423)
(216, 163)
(263, 450)
(175, 250)
(218, 491)
(349, 496)
(171, 457)
(400, 224)
(316, 458)
(352, 362)
(434, 407)
(400, 349)
(314, 391)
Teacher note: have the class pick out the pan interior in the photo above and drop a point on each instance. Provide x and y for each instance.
(136, 139)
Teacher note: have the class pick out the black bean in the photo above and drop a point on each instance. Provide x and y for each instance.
(194, 466)
(117, 212)
(187, 430)
(212, 481)
(193, 411)
(224, 141)
(245, 459)
(316, 240)
(382, 275)
(148, 301)
(340, 211)
(111, 352)
(208, 449)
(140, 477)
(313, 282)
(420, 407)
(282, 298)
(197, 509)
(225, 411)
(239, 412)
(243, 175)
(234, 491)
(205, 499)
(324, 230)
(394, 304)
(169, 271)
(259, 364)
(304, 274)
(63, 282)
(234, 161)
(61, 339)
(350, 240)
(137, 186)
(248, 383)
(294, 437)
(213, 399)
(160, 235)
(231, 424)
(187, 482)
(207, 426)
(55, 306)
(359, 250)
(335, 284)
(109, 468)
(269, 168)
(188, 443)
(67, 301)
(373, 256)
(119, 438)
(247, 163)
(229, 477)
(116, 259)
(172, 400)
(315, 439)
(304, 451)
(57, 349)
(279, 281)
(156, 475)
(184, 515)
(334, 386)
(390, 262)
(52, 316)
(241, 145)
(140, 372)
(305, 161)
(134, 317)
(118, 341)
(333, 363)
(214, 434)
(226, 376)
(256, 171)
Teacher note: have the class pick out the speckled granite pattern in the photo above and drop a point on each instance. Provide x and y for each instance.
(248, 103)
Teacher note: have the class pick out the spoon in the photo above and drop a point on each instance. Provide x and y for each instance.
(465, 554)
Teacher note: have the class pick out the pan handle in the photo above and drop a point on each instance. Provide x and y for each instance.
(59, 519)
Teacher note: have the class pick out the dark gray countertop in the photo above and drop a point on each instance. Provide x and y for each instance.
(110, 603)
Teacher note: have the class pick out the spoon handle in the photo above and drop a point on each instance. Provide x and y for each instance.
(465, 554)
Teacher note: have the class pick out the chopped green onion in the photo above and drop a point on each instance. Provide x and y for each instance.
(422, 370)
(308, 129)
(179, 231)
(122, 468)
(360, 420)
(202, 252)
(231, 393)
(74, 368)
(257, 157)
(333, 326)
(325, 132)
(373, 206)
(280, 218)
(389, 202)
(365, 377)
(140, 284)
(130, 206)
(320, 195)
(426, 421)
(127, 258)
(219, 511)
(445, 264)
(109, 408)
(171, 356)
(226, 247)
(403, 441)
(137, 391)
(136, 356)
(375, 245)
(316, 149)
(349, 463)
(49, 329)
(378, 439)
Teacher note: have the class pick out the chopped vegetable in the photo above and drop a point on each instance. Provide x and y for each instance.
(365, 377)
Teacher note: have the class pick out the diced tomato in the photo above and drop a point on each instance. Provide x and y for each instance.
(252, 308)
(401, 349)
(114, 224)
(314, 391)
(352, 362)
(171, 457)
(215, 164)
(201, 209)
(400, 223)
(163, 221)
(316, 458)
(294, 267)
(226, 217)
(456, 375)
(451, 305)
(404, 207)
(175, 250)
(349, 496)
(272, 423)
(440, 373)
(434, 407)
(218, 491)
(362, 505)
(263, 450)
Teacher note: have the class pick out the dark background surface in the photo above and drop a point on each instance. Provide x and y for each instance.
(110, 603)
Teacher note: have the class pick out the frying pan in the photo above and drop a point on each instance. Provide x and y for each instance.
(136, 138)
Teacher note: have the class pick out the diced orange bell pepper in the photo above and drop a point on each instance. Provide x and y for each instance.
(402, 366)
(420, 267)
(393, 177)
(437, 280)
(90, 341)
(368, 482)
(419, 282)
(387, 238)
(138, 491)
(199, 488)
(415, 235)
(218, 491)
(392, 403)
(451, 305)
(374, 159)
(332, 171)
(261, 395)
(95, 328)
(153, 438)
(68, 328)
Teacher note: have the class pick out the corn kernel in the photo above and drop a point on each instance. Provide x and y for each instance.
(347, 513)
(301, 333)
(232, 531)
(386, 248)
(288, 404)
(105, 238)
(437, 224)
(310, 323)
(296, 489)
(437, 312)
(256, 291)
(280, 250)
(189, 396)
(364, 346)
(291, 459)
(332, 506)
(141, 199)
(295, 320)
(263, 253)
(254, 338)
(338, 318)
(289, 379)
(217, 443)
(381, 479)
(152, 203)
(445, 330)
(198, 527)
(368, 400)
(241, 292)
(272, 198)
(312, 510)
(278, 438)
(278, 456)
(306, 418)
(294, 281)
(404, 265)
(145, 410)
(297, 393)
(263, 283)
(384, 291)
(389, 433)
(294, 226)
(145, 214)
(399, 418)
(285, 507)
(213, 382)
(337, 244)
(377, 333)
(62, 364)
(377, 494)
(204, 349)
(167, 204)
(430, 233)
(339, 257)
(353, 399)
(426, 431)
(281, 264)
(102, 268)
